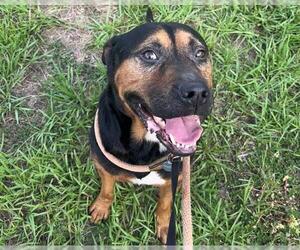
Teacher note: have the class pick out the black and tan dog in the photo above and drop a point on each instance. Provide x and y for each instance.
(158, 93)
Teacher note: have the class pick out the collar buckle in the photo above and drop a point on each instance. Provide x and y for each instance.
(174, 158)
(166, 164)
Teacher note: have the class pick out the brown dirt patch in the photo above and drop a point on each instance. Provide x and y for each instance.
(29, 90)
(74, 40)
(75, 34)
(5, 217)
(240, 43)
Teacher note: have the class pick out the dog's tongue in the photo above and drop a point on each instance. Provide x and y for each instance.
(185, 130)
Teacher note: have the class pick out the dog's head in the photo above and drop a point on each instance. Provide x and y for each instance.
(162, 76)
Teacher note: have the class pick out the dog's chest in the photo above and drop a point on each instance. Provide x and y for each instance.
(153, 178)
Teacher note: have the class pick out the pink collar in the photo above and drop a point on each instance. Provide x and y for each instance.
(134, 168)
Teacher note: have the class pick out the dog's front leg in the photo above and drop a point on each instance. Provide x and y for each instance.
(163, 211)
(100, 208)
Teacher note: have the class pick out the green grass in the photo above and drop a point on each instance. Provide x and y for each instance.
(249, 148)
(20, 30)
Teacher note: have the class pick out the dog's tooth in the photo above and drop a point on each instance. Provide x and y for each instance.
(172, 139)
(162, 123)
(159, 121)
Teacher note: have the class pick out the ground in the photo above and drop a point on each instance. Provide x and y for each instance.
(245, 182)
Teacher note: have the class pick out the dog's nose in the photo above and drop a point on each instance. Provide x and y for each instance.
(194, 93)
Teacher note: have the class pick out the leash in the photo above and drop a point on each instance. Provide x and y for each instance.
(185, 203)
(186, 207)
(177, 162)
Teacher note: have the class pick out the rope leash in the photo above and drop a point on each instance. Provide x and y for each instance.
(185, 203)
(186, 207)
(186, 197)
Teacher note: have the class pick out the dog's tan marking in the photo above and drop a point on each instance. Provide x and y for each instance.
(160, 36)
(206, 72)
(163, 209)
(100, 208)
(138, 130)
(130, 75)
(182, 39)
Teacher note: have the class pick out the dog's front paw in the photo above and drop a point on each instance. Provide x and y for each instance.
(99, 211)
(162, 233)
(162, 226)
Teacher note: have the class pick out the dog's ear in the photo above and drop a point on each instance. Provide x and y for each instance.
(149, 16)
(106, 54)
(112, 121)
(108, 49)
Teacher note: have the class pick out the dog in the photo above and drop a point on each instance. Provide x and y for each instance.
(159, 92)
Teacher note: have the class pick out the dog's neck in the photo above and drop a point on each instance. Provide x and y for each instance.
(116, 127)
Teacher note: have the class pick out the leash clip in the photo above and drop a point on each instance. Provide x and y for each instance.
(158, 165)
(166, 164)
(174, 158)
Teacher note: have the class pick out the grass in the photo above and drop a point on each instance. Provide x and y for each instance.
(246, 179)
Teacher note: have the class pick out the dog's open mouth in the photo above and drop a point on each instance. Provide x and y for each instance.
(179, 134)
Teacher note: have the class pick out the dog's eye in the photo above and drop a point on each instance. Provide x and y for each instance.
(200, 53)
(150, 55)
